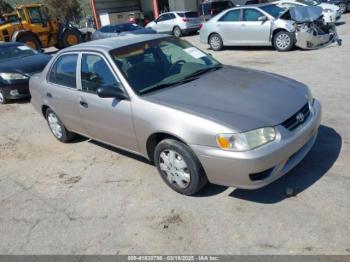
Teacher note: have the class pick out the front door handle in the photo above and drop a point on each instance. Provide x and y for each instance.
(84, 104)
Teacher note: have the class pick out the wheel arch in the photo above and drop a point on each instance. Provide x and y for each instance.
(44, 109)
(154, 139)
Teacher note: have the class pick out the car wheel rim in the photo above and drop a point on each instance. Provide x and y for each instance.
(177, 32)
(283, 41)
(215, 42)
(1, 98)
(174, 168)
(55, 126)
(342, 8)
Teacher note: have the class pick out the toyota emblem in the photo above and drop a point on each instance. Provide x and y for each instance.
(300, 117)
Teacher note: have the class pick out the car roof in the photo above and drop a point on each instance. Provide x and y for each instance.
(9, 44)
(108, 44)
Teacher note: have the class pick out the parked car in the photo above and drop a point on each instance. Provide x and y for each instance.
(162, 98)
(269, 24)
(176, 23)
(331, 13)
(17, 63)
(344, 5)
(209, 9)
(120, 29)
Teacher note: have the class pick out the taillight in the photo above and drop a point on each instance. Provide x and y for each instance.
(185, 19)
(200, 26)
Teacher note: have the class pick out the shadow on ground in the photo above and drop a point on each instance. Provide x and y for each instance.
(316, 164)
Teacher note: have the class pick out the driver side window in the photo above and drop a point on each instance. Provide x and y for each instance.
(251, 15)
(95, 73)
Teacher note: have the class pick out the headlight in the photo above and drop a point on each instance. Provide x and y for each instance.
(310, 97)
(12, 76)
(246, 141)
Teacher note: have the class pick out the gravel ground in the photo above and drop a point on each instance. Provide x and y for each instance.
(88, 198)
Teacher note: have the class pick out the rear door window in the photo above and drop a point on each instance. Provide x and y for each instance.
(251, 15)
(231, 16)
(64, 71)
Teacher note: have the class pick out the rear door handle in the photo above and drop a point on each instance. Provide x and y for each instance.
(49, 95)
(84, 104)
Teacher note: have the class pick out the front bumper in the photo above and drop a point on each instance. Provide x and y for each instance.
(16, 89)
(277, 158)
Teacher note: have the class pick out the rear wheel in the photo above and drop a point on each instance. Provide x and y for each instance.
(215, 42)
(70, 37)
(179, 167)
(57, 128)
(177, 31)
(342, 8)
(30, 41)
(3, 99)
(283, 41)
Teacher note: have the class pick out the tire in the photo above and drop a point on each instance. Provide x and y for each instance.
(215, 42)
(3, 99)
(342, 8)
(283, 41)
(177, 31)
(70, 37)
(59, 131)
(179, 167)
(30, 41)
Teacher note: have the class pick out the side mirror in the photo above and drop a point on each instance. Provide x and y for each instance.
(111, 92)
(262, 18)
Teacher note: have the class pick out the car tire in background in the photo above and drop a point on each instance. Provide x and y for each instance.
(215, 42)
(179, 167)
(57, 128)
(283, 41)
(3, 99)
(177, 31)
(30, 41)
(71, 37)
(342, 8)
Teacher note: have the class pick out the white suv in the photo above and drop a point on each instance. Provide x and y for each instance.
(176, 23)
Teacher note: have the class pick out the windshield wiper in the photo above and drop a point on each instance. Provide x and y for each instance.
(202, 71)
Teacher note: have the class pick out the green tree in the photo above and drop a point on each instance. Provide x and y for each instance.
(65, 9)
(5, 7)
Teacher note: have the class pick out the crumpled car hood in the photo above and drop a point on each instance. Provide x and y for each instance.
(239, 98)
(304, 14)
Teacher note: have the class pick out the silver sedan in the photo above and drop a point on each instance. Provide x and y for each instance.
(266, 25)
(198, 120)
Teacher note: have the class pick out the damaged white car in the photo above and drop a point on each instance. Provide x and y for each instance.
(269, 24)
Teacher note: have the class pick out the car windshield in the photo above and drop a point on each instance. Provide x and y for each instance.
(309, 2)
(12, 52)
(160, 63)
(273, 10)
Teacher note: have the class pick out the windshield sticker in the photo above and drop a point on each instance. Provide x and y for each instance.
(23, 48)
(194, 52)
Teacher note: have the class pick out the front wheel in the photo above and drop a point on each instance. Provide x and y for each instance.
(71, 37)
(283, 41)
(179, 167)
(342, 8)
(57, 128)
(215, 42)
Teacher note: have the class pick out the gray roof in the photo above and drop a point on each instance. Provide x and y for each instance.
(108, 44)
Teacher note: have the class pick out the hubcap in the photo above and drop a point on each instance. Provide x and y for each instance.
(283, 41)
(174, 168)
(54, 124)
(177, 32)
(72, 39)
(1, 98)
(215, 42)
(342, 8)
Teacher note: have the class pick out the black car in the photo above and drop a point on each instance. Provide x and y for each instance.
(209, 9)
(120, 29)
(17, 63)
(344, 5)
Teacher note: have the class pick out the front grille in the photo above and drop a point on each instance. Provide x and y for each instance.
(298, 118)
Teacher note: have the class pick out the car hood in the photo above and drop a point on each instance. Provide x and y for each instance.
(241, 99)
(27, 65)
(303, 14)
